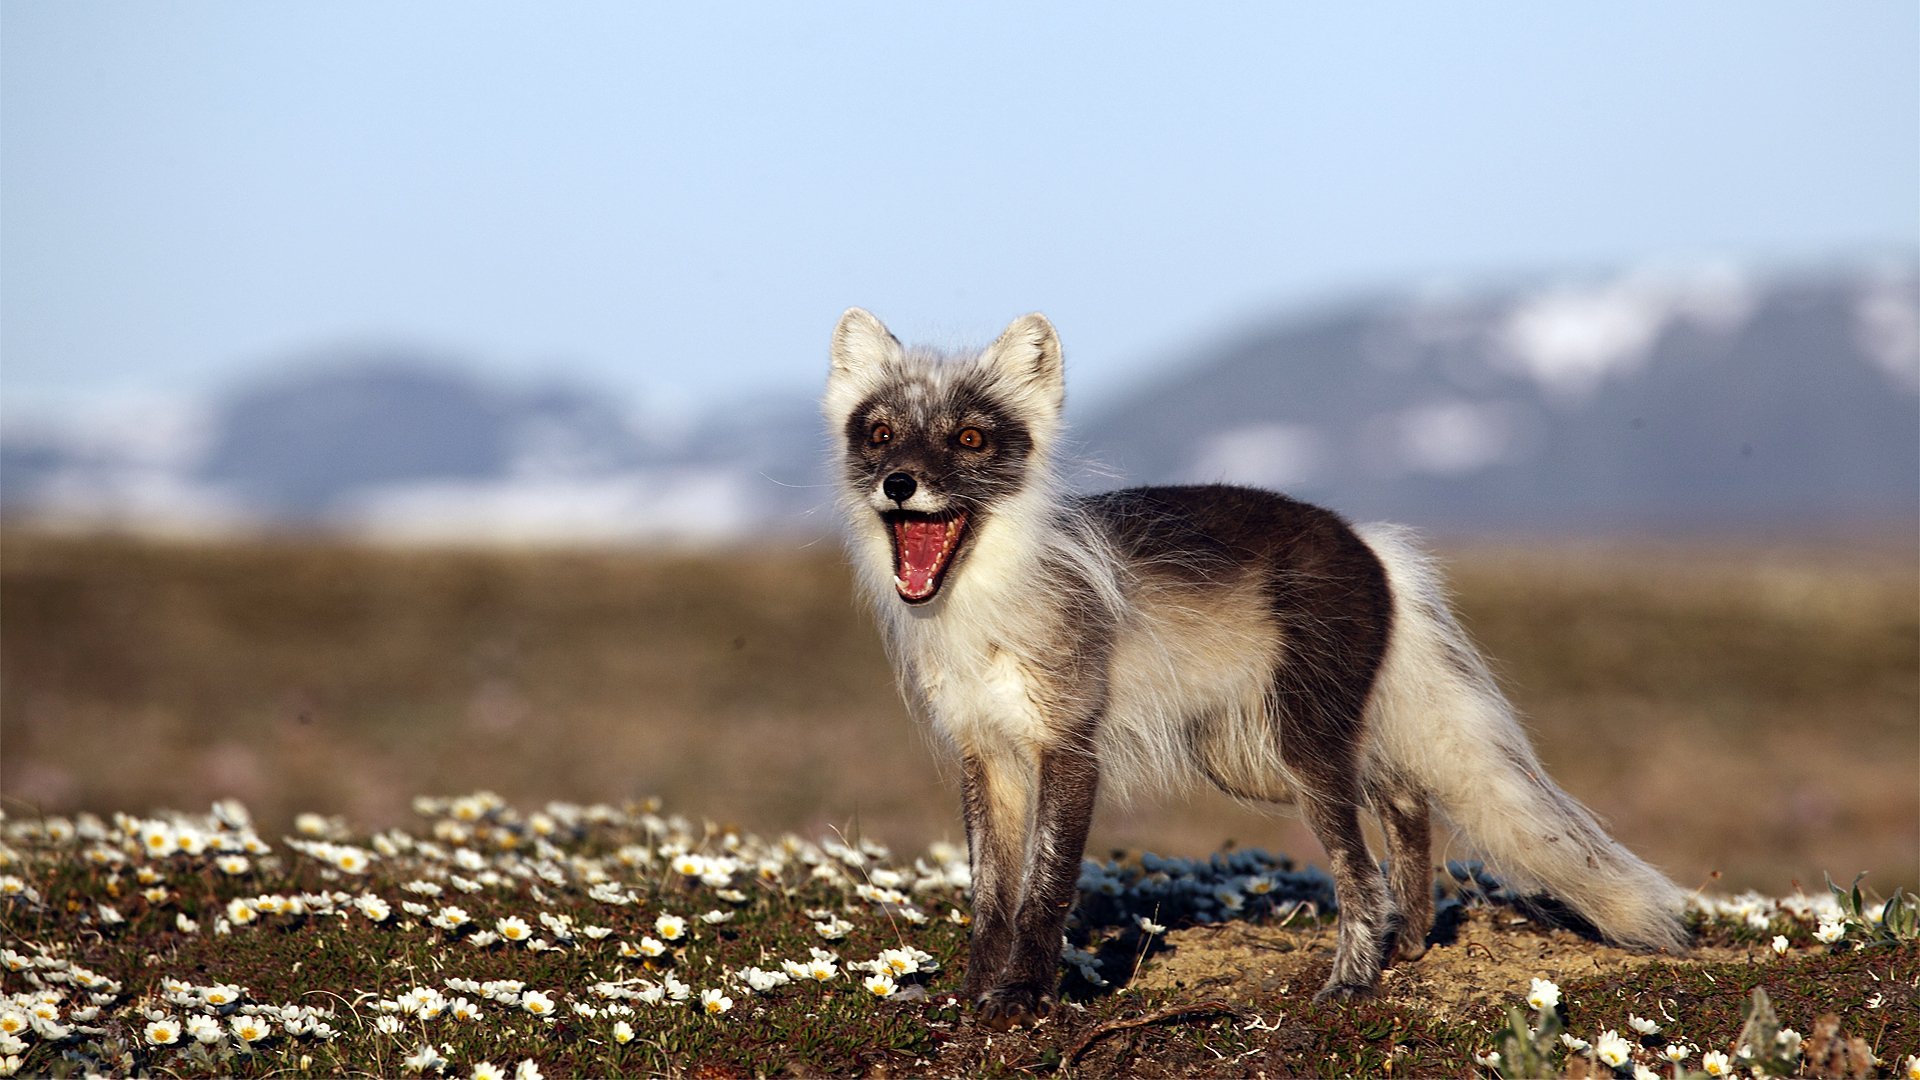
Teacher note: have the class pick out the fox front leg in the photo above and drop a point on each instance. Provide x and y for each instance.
(995, 803)
(1024, 989)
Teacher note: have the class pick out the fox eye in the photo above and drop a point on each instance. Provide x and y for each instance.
(972, 438)
(880, 435)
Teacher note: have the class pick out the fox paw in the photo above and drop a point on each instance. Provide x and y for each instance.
(1339, 992)
(1408, 947)
(1012, 1006)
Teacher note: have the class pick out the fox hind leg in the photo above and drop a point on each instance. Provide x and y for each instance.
(1319, 743)
(1360, 892)
(1406, 821)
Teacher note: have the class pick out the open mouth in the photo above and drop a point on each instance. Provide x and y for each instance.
(923, 548)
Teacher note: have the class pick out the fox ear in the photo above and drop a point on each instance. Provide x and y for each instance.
(1028, 355)
(861, 345)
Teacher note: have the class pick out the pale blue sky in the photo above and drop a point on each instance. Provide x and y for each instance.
(677, 202)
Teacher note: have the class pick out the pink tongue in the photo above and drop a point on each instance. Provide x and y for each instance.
(921, 554)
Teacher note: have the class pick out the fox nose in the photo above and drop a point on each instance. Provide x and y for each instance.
(899, 487)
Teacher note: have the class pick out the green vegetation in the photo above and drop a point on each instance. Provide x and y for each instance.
(591, 940)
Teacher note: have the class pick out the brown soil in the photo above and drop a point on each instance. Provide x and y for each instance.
(1491, 962)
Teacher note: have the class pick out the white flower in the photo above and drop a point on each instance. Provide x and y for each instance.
(1830, 931)
(425, 1003)
(45, 1015)
(714, 1002)
(1148, 926)
(1718, 1064)
(670, 927)
(715, 918)
(1613, 1049)
(879, 986)
(833, 929)
(386, 1025)
(372, 907)
(1544, 994)
(157, 838)
(164, 1032)
(526, 1070)
(1779, 943)
(1677, 1053)
(897, 962)
(250, 1029)
(1574, 1043)
(240, 912)
(1642, 1025)
(651, 947)
(221, 995)
(205, 1029)
(1490, 1059)
(1641, 1072)
(622, 1032)
(232, 865)
(561, 925)
(760, 980)
(487, 1070)
(513, 928)
(423, 1059)
(821, 970)
(1913, 1067)
(608, 893)
(537, 1003)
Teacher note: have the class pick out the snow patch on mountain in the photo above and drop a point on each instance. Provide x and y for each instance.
(1571, 337)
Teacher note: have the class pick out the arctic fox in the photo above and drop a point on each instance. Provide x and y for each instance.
(1160, 635)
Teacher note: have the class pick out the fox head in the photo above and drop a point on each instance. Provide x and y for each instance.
(930, 447)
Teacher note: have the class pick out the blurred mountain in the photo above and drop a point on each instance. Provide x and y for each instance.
(1643, 401)
(408, 445)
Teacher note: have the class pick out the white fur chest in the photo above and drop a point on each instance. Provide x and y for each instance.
(980, 694)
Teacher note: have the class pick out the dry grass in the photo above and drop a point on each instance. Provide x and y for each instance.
(1751, 712)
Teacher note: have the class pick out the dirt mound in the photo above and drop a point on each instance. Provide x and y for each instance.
(1490, 961)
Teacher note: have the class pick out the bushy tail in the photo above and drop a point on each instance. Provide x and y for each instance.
(1440, 720)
